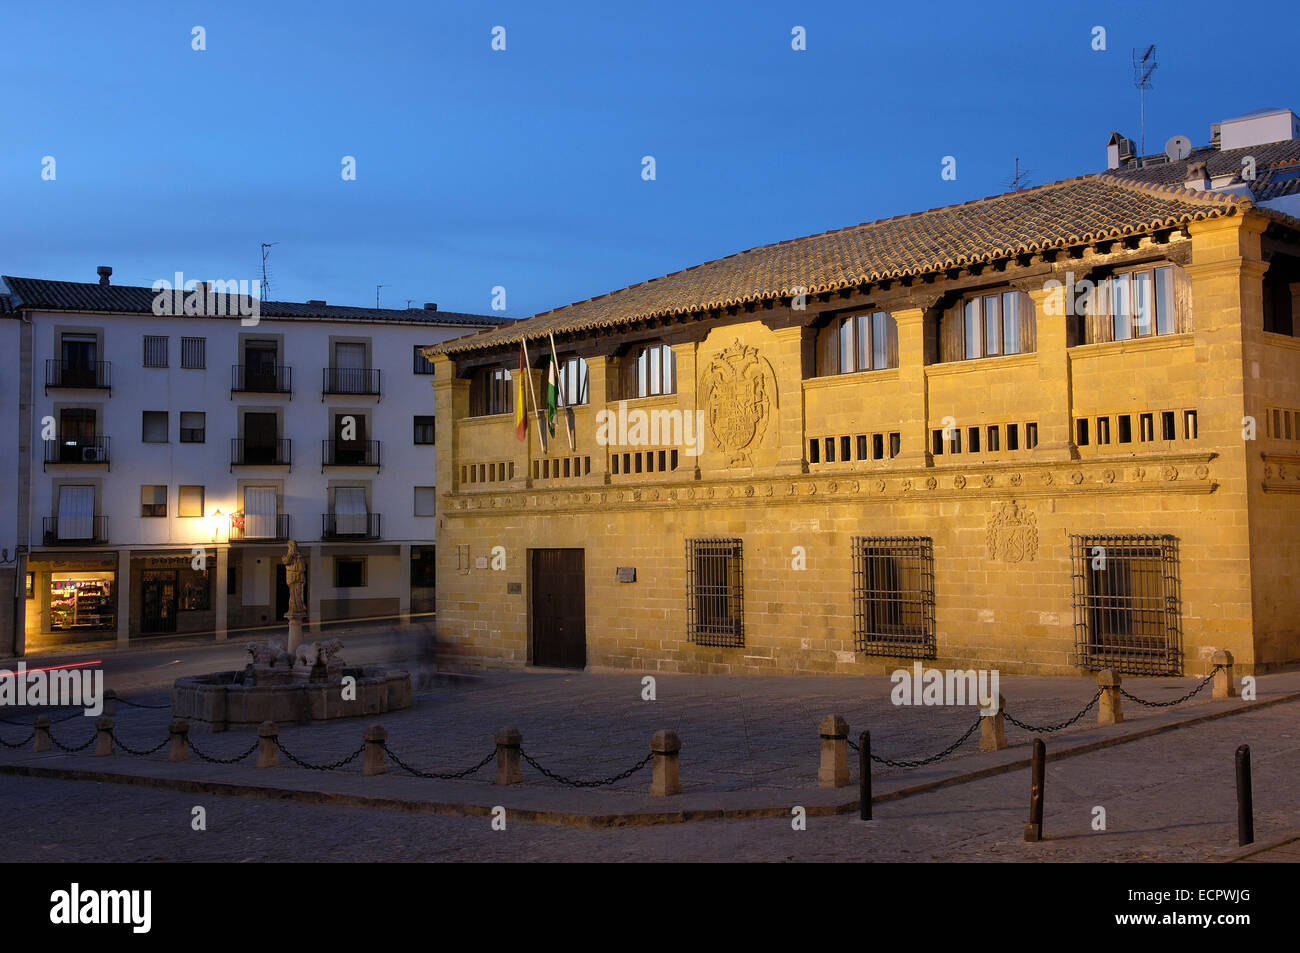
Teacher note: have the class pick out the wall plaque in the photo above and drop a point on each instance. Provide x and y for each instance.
(625, 573)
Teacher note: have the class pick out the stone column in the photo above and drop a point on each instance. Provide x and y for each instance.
(599, 368)
(508, 741)
(404, 585)
(787, 357)
(315, 583)
(220, 624)
(1055, 396)
(1223, 686)
(834, 769)
(123, 597)
(268, 751)
(666, 746)
(914, 411)
(993, 728)
(1109, 706)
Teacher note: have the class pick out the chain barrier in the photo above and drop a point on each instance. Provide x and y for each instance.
(62, 747)
(1058, 727)
(211, 760)
(127, 701)
(924, 761)
(129, 750)
(451, 776)
(53, 721)
(588, 784)
(319, 767)
(18, 744)
(1177, 701)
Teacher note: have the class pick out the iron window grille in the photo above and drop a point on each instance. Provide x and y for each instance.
(715, 592)
(155, 351)
(893, 596)
(194, 353)
(1127, 604)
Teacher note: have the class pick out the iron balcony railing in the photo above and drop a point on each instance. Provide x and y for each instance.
(261, 378)
(350, 380)
(93, 450)
(246, 528)
(82, 374)
(74, 530)
(250, 453)
(349, 453)
(347, 526)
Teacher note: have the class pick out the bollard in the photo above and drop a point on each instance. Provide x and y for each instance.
(179, 732)
(509, 741)
(103, 736)
(1109, 707)
(268, 752)
(1245, 802)
(1223, 686)
(664, 780)
(864, 776)
(373, 760)
(110, 702)
(1038, 775)
(41, 742)
(993, 728)
(833, 772)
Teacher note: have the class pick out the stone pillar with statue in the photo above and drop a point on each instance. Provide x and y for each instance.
(295, 577)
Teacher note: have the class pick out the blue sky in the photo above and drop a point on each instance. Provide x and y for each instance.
(522, 168)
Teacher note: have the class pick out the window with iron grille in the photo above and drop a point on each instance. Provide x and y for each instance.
(155, 351)
(893, 595)
(1127, 603)
(194, 352)
(714, 592)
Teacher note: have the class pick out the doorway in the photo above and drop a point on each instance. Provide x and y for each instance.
(559, 608)
(158, 601)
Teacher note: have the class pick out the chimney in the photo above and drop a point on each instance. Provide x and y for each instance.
(1198, 178)
(1119, 150)
(320, 302)
(430, 306)
(104, 271)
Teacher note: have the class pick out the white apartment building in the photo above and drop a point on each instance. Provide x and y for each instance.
(161, 463)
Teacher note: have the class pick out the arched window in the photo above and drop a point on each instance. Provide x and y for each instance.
(654, 372)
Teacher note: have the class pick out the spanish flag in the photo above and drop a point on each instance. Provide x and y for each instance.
(521, 416)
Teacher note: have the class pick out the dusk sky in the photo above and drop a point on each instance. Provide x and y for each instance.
(523, 168)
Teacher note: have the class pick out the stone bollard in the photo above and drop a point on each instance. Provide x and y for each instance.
(42, 740)
(993, 728)
(110, 702)
(1223, 686)
(834, 769)
(268, 751)
(509, 741)
(1110, 710)
(103, 736)
(373, 760)
(664, 780)
(179, 729)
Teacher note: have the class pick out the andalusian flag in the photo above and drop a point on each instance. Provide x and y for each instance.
(552, 399)
(521, 415)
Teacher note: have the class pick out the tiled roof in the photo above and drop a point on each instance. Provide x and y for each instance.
(1277, 168)
(40, 295)
(1062, 213)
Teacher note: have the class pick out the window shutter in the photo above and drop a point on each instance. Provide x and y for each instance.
(259, 512)
(1100, 326)
(1028, 324)
(951, 345)
(350, 510)
(828, 353)
(1182, 301)
(891, 341)
(76, 512)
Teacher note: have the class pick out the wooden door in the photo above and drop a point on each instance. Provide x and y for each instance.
(559, 608)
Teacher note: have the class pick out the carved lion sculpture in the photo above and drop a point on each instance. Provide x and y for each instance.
(266, 653)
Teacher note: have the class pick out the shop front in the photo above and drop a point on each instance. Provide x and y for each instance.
(71, 597)
(172, 592)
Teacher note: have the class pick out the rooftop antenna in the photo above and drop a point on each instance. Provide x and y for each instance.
(377, 287)
(1144, 64)
(408, 303)
(1021, 179)
(266, 282)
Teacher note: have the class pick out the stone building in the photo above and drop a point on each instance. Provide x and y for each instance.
(1049, 431)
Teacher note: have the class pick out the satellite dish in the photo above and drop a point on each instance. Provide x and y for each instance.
(1178, 148)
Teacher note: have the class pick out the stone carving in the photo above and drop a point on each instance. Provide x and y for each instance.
(1012, 533)
(295, 576)
(1170, 472)
(880, 486)
(931, 483)
(1202, 471)
(832, 486)
(1046, 479)
(987, 479)
(1076, 477)
(1015, 479)
(267, 653)
(907, 485)
(1108, 476)
(318, 661)
(959, 482)
(737, 384)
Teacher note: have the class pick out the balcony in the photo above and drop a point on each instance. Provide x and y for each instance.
(74, 530)
(344, 526)
(349, 453)
(257, 453)
(81, 450)
(261, 379)
(253, 527)
(77, 375)
(350, 380)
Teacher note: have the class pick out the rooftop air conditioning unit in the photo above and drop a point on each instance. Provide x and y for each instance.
(92, 454)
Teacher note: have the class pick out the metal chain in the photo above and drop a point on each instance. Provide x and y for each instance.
(588, 784)
(933, 758)
(319, 767)
(129, 750)
(435, 774)
(1177, 701)
(54, 721)
(89, 741)
(127, 701)
(1058, 727)
(18, 744)
(211, 760)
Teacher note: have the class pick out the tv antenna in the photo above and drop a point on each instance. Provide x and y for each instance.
(377, 287)
(1021, 179)
(1144, 64)
(266, 282)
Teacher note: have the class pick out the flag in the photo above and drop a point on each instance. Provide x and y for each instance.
(551, 395)
(521, 415)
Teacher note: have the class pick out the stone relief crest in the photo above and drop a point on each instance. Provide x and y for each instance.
(1012, 533)
(740, 389)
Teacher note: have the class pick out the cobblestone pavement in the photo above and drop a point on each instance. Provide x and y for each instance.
(1166, 798)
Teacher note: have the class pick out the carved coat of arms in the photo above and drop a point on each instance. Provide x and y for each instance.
(1012, 533)
(739, 402)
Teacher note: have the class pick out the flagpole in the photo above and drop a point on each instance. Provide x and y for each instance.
(528, 373)
(568, 429)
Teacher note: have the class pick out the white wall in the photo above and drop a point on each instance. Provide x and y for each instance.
(9, 380)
